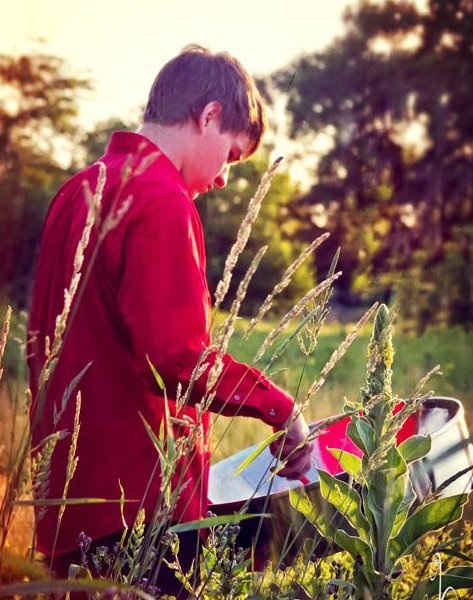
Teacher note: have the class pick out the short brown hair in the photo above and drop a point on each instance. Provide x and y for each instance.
(188, 82)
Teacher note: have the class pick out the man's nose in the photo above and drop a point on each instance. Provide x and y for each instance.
(222, 177)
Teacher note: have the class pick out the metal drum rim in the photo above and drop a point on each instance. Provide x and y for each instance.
(453, 420)
(456, 417)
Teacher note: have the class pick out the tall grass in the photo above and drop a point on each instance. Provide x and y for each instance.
(451, 348)
(327, 376)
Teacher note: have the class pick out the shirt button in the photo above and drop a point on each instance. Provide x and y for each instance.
(272, 413)
(236, 397)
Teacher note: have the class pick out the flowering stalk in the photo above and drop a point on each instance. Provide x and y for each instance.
(284, 282)
(378, 513)
(244, 233)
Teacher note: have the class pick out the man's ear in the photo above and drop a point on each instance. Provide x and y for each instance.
(211, 111)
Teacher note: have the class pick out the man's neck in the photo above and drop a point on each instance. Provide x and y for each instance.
(172, 140)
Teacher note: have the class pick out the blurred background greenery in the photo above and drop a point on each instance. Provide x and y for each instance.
(415, 355)
(382, 122)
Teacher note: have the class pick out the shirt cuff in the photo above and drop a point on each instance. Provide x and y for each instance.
(276, 406)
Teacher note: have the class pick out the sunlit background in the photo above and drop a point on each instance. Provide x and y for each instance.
(120, 46)
(371, 105)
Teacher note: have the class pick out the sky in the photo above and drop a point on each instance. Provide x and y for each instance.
(121, 45)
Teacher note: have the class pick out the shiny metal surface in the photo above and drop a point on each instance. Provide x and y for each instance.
(258, 490)
(443, 419)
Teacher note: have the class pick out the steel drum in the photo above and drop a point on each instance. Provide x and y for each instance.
(256, 490)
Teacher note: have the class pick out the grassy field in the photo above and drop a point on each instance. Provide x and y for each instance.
(414, 356)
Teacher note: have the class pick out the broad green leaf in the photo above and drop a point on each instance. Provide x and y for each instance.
(241, 567)
(257, 451)
(215, 521)
(457, 578)
(454, 552)
(355, 546)
(210, 559)
(363, 435)
(430, 517)
(346, 500)
(404, 507)
(415, 447)
(463, 571)
(396, 461)
(384, 497)
(351, 463)
(300, 501)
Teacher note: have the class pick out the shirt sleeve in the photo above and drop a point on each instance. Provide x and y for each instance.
(165, 306)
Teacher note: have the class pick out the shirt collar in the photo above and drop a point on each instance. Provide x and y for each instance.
(129, 142)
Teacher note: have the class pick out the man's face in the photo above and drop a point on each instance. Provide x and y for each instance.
(209, 162)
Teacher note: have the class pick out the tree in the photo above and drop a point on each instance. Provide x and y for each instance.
(37, 128)
(222, 212)
(396, 185)
(95, 142)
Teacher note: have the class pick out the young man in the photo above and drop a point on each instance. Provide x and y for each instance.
(143, 293)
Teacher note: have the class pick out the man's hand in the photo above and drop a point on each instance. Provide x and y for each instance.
(292, 448)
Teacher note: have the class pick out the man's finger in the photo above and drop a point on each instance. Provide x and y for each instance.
(297, 464)
(295, 470)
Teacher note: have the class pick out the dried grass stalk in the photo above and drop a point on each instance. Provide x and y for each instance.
(284, 282)
(94, 203)
(337, 355)
(72, 460)
(227, 328)
(294, 312)
(4, 335)
(244, 233)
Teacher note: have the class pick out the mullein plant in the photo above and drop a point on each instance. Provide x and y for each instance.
(134, 564)
(384, 518)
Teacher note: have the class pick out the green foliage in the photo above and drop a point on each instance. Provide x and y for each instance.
(37, 120)
(444, 284)
(393, 96)
(415, 355)
(378, 506)
(385, 531)
(95, 142)
(225, 568)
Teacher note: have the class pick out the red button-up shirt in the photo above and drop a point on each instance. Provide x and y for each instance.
(143, 294)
